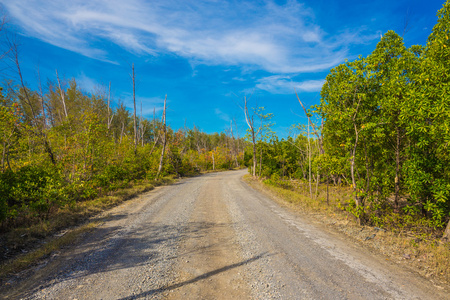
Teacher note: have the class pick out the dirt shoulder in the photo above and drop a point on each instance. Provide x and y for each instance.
(401, 249)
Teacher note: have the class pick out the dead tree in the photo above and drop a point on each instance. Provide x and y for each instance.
(39, 128)
(133, 77)
(62, 94)
(164, 140)
(110, 116)
(253, 131)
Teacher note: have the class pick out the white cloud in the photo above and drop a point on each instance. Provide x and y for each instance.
(87, 83)
(149, 104)
(280, 84)
(221, 115)
(268, 36)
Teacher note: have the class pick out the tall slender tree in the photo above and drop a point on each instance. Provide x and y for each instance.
(164, 140)
(257, 122)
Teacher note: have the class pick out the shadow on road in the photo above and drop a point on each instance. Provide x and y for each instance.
(198, 278)
(117, 248)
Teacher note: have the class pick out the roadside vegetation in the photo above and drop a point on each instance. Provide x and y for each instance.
(376, 149)
(57, 168)
(67, 154)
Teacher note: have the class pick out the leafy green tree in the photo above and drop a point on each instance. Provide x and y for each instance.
(350, 111)
(394, 68)
(427, 116)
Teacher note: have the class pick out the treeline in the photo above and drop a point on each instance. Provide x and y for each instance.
(62, 145)
(385, 131)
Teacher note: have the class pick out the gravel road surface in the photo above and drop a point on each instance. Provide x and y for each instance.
(213, 237)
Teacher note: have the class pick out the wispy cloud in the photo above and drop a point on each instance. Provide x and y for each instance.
(271, 37)
(149, 104)
(280, 84)
(221, 115)
(87, 83)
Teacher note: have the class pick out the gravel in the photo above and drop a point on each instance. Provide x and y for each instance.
(131, 255)
(157, 246)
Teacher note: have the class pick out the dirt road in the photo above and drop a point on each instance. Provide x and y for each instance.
(213, 237)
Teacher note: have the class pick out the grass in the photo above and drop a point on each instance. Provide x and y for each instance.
(29, 244)
(23, 261)
(416, 247)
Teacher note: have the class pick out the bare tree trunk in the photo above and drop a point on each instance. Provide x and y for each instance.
(317, 186)
(61, 92)
(358, 200)
(352, 167)
(319, 136)
(154, 145)
(41, 96)
(254, 154)
(164, 141)
(397, 170)
(260, 162)
(328, 194)
(352, 172)
(40, 131)
(234, 148)
(141, 128)
(238, 143)
(318, 175)
(134, 112)
(251, 125)
(109, 119)
(156, 136)
(309, 161)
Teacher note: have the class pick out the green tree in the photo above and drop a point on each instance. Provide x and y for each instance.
(427, 115)
(350, 111)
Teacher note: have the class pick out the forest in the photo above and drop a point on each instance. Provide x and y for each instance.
(61, 146)
(381, 127)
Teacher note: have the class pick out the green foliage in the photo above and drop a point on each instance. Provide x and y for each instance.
(386, 132)
(36, 189)
(93, 156)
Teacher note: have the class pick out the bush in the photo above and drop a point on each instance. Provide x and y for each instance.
(31, 188)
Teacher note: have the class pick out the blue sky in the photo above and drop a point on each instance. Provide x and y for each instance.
(206, 55)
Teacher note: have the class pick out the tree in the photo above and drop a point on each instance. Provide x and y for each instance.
(164, 140)
(428, 113)
(394, 68)
(256, 127)
(133, 77)
(350, 111)
(9, 123)
(32, 103)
